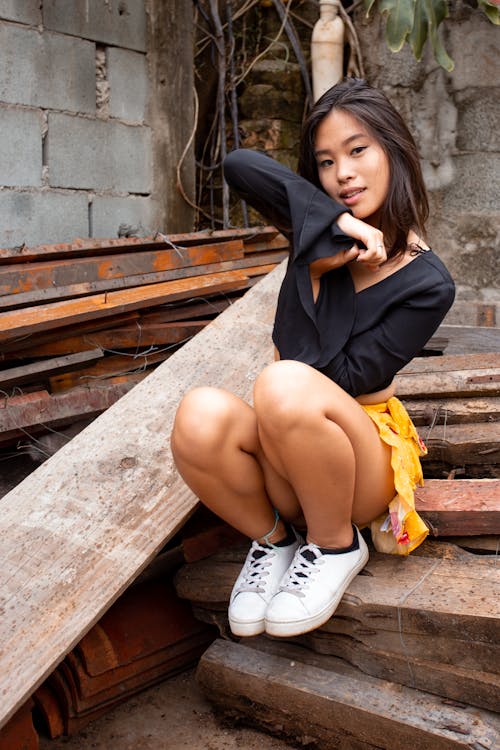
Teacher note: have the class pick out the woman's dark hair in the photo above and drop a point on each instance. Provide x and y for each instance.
(406, 205)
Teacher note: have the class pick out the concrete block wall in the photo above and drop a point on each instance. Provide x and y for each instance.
(76, 145)
(454, 117)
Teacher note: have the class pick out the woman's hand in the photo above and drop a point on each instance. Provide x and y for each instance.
(375, 253)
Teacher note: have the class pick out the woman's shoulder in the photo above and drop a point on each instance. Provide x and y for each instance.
(436, 268)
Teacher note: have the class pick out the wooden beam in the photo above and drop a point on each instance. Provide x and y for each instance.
(287, 690)
(78, 530)
(20, 279)
(42, 317)
(35, 370)
(460, 507)
(86, 247)
(125, 337)
(427, 412)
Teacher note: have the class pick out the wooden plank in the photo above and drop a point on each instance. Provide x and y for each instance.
(29, 277)
(465, 506)
(85, 247)
(335, 706)
(35, 370)
(42, 317)
(452, 362)
(31, 410)
(455, 383)
(108, 367)
(465, 339)
(23, 346)
(125, 337)
(472, 446)
(395, 594)
(79, 529)
(425, 413)
(53, 292)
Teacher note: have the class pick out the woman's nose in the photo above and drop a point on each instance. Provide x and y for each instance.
(344, 170)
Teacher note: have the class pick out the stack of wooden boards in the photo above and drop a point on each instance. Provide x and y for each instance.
(81, 323)
(80, 529)
(410, 658)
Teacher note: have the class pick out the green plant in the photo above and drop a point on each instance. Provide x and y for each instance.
(415, 21)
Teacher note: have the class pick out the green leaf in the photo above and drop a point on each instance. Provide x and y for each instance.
(419, 33)
(493, 12)
(437, 10)
(400, 15)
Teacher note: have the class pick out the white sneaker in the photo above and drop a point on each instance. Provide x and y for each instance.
(311, 591)
(256, 584)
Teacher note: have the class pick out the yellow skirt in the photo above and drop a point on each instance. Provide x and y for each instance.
(400, 530)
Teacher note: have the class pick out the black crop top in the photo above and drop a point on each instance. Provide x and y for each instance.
(359, 340)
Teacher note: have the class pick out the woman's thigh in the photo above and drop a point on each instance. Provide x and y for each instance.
(301, 387)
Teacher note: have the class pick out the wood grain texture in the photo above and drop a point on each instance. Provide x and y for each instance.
(77, 531)
(280, 687)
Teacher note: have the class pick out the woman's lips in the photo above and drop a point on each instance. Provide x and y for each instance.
(350, 197)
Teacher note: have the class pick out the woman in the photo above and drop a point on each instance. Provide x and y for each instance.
(326, 447)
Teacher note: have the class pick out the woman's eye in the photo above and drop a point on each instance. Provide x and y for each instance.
(358, 149)
(325, 163)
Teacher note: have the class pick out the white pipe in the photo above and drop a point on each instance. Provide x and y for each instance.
(327, 48)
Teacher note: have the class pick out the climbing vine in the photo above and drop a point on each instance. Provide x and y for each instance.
(416, 21)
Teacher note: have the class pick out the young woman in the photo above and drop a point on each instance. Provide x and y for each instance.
(326, 446)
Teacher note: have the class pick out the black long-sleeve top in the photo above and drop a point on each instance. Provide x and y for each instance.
(358, 339)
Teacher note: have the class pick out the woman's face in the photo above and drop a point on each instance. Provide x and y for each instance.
(352, 166)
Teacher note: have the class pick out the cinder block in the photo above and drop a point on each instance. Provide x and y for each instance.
(476, 184)
(27, 11)
(42, 217)
(128, 84)
(122, 23)
(109, 213)
(98, 154)
(478, 118)
(46, 70)
(20, 147)
(473, 46)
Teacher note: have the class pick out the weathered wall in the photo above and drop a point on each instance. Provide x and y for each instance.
(454, 117)
(81, 120)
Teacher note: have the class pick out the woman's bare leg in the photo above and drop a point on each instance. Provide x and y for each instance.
(216, 449)
(322, 442)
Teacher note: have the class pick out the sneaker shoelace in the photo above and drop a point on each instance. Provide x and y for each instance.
(256, 566)
(303, 568)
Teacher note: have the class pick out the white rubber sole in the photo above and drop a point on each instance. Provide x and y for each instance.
(247, 629)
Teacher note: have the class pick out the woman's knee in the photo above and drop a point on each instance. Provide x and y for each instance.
(201, 421)
(282, 394)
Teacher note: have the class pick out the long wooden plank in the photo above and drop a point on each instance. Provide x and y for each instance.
(473, 446)
(455, 383)
(427, 412)
(29, 277)
(30, 373)
(29, 411)
(141, 334)
(42, 317)
(125, 281)
(85, 247)
(466, 506)
(460, 339)
(108, 367)
(452, 362)
(79, 529)
(331, 705)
